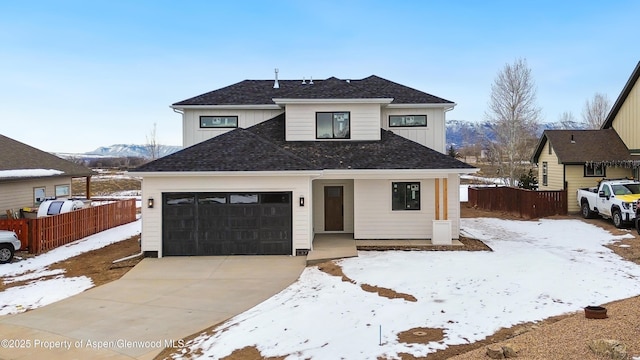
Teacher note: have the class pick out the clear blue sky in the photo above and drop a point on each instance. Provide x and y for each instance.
(75, 75)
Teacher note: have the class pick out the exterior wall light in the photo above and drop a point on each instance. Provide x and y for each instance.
(301, 200)
(150, 203)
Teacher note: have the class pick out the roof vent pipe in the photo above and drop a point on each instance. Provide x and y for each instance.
(310, 80)
(304, 81)
(572, 141)
(275, 84)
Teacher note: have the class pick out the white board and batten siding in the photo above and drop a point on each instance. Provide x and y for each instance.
(431, 136)
(192, 133)
(375, 219)
(364, 121)
(20, 193)
(155, 186)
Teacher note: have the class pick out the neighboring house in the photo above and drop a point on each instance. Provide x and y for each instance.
(269, 164)
(624, 118)
(571, 159)
(29, 175)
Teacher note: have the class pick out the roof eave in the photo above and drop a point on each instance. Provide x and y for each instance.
(228, 107)
(285, 101)
(608, 122)
(447, 106)
(393, 173)
(227, 173)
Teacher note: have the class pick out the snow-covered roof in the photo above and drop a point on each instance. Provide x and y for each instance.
(20, 173)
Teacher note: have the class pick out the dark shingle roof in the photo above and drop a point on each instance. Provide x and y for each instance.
(587, 146)
(16, 155)
(263, 148)
(261, 92)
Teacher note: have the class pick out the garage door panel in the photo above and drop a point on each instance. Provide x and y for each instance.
(227, 223)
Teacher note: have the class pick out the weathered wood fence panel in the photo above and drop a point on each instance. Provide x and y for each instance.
(46, 233)
(523, 203)
(19, 226)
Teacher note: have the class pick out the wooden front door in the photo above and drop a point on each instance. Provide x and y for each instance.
(333, 208)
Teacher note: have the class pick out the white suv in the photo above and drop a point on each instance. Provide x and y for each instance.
(9, 243)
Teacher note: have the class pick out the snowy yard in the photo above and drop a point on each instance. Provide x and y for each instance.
(47, 286)
(538, 269)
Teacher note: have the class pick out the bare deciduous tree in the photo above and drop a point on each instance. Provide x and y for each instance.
(567, 121)
(514, 113)
(153, 148)
(595, 111)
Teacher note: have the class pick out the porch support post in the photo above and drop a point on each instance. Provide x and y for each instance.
(437, 197)
(445, 205)
(88, 187)
(441, 224)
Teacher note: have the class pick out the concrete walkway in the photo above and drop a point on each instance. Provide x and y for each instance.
(157, 302)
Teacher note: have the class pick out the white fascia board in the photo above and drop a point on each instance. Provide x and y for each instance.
(394, 173)
(285, 101)
(447, 106)
(228, 107)
(227, 173)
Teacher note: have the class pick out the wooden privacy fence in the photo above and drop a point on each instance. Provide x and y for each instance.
(524, 203)
(46, 233)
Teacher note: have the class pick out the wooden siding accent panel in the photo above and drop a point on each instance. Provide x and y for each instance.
(374, 219)
(193, 134)
(318, 204)
(626, 121)
(155, 186)
(301, 121)
(431, 136)
(18, 194)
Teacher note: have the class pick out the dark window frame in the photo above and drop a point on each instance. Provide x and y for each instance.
(545, 170)
(405, 116)
(399, 198)
(333, 131)
(221, 126)
(592, 172)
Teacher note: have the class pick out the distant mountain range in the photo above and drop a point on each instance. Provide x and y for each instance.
(122, 150)
(459, 133)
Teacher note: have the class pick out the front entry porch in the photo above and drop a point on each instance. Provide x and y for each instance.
(331, 246)
(337, 246)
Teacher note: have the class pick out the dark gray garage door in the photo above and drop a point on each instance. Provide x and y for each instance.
(226, 223)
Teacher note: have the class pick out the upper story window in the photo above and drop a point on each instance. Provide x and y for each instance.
(218, 121)
(407, 120)
(594, 170)
(333, 125)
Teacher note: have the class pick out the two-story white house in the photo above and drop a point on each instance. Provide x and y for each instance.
(269, 164)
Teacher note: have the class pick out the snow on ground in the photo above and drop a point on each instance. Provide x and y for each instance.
(47, 286)
(537, 270)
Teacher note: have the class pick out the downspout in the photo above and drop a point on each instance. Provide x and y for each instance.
(128, 257)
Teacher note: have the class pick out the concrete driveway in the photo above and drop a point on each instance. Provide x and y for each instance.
(157, 302)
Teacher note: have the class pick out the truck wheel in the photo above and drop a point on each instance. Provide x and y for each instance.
(616, 216)
(6, 253)
(586, 211)
(638, 225)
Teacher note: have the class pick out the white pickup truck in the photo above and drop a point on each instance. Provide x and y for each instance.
(616, 199)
